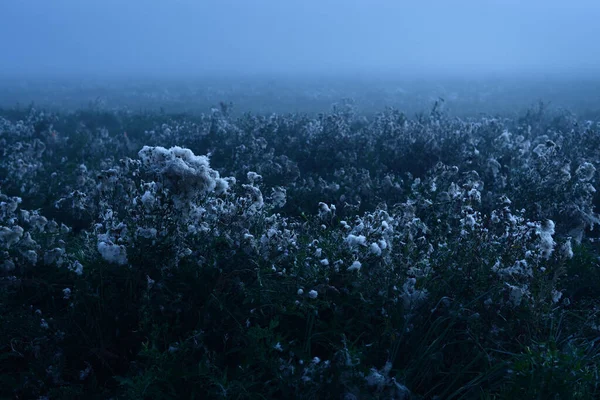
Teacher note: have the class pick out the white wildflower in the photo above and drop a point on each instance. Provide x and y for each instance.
(147, 233)
(545, 232)
(255, 196)
(354, 240)
(475, 195)
(54, 256)
(356, 265)
(112, 253)
(375, 249)
(10, 236)
(278, 196)
(253, 177)
(181, 170)
(516, 294)
(77, 268)
(375, 378)
(567, 249)
(31, 256)
(556, 296)
(585, 172)
(148, 199)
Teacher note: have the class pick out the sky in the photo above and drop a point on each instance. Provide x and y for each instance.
(195, 37)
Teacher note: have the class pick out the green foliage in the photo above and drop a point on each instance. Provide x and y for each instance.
(226, 321)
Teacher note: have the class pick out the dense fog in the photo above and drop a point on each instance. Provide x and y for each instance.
(169, 39)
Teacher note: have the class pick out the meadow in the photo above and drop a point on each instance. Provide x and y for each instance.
(357, 251)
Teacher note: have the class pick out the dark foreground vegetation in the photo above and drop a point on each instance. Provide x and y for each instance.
(157, 256)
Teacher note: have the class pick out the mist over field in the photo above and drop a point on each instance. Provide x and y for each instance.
(185, 37)
(269, 55)
(285, 199)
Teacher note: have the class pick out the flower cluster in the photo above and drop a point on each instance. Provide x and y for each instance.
(294, 251)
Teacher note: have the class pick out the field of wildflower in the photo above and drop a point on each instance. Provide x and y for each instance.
(149, 255)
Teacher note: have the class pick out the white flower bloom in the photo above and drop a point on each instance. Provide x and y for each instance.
(356, 265)
(313, 294)
(113, 253)
(324, 208)
(375, 249)
(516, 294)
(475, 195)
(354, 240)
(278, 196)
(253, 177)
(256, 197)
(148, 199)
(375, 379)
(147, 233)
(469, 221)
(54, 256)
(585, 172)
(77, 268)
(545, 232)
(454, 190)
(567, 249)
(182, 171)
(412, 296)
(10, 236)
(31, 256)
(556, 296)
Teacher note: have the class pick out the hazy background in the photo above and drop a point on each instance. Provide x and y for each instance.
(380, 43)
